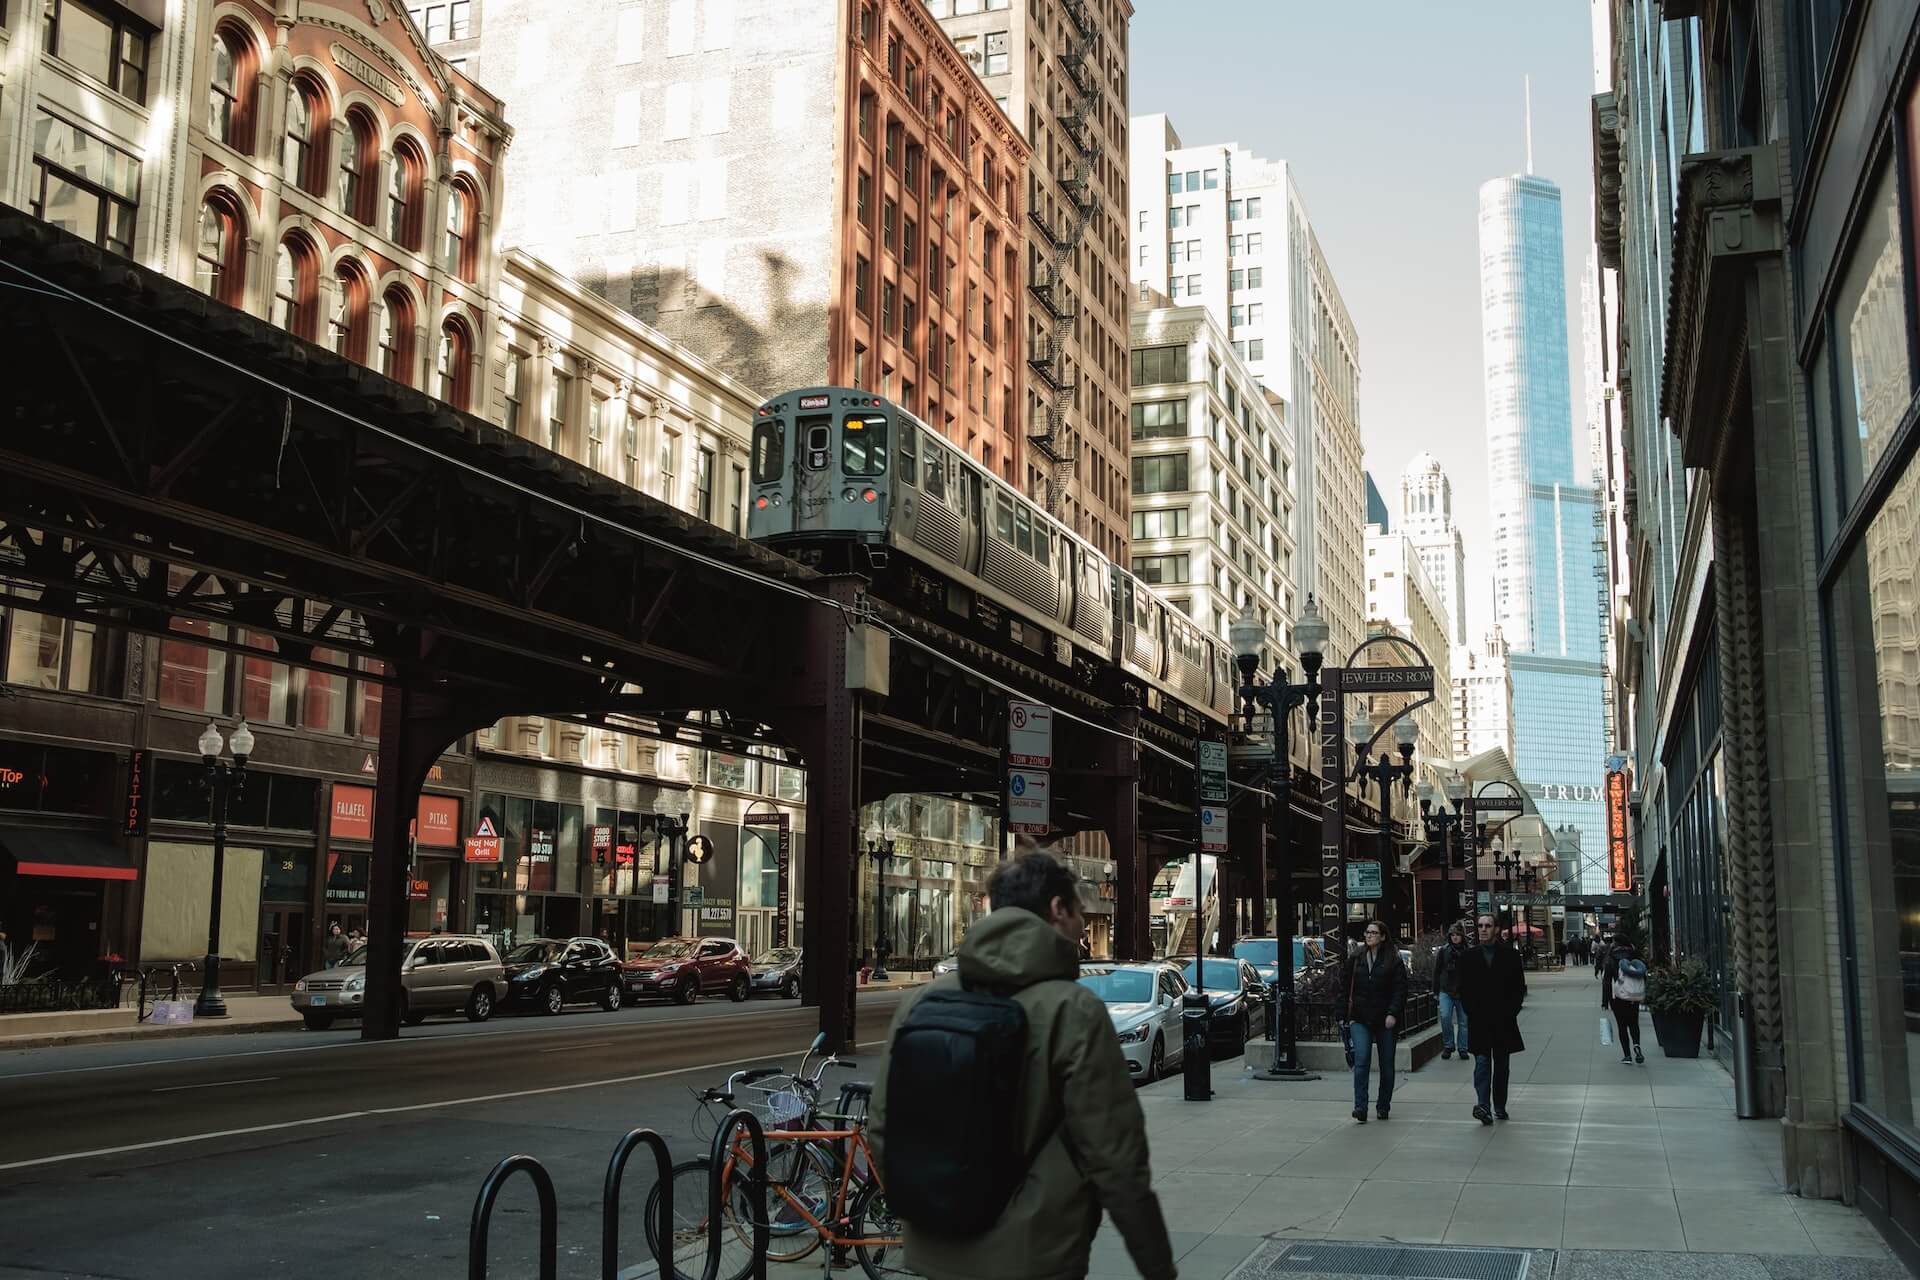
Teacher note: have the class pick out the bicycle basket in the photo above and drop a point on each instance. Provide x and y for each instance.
(776, 1106)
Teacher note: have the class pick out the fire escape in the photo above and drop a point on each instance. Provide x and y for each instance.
(1078, 95)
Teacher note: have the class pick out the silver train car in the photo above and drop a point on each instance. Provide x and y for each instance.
(850, 480)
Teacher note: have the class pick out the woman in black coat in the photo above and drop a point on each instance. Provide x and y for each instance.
(1376, 1001)
(1493, 986)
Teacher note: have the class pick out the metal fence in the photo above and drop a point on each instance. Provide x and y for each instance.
(54, 995)
(1320, 1017)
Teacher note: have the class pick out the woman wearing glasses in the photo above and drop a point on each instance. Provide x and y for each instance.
(1376, 999)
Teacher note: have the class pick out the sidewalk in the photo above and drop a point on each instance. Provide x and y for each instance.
(244, 1014)
(1598, 1156)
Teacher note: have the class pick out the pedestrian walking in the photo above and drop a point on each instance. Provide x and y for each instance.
(1623, 987)
(1376, 999)
(1446, 980)
(336, 946)
(1600, 953)
(1493, 986)
(1014, 1185)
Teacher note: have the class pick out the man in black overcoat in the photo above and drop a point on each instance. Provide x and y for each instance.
(1493, 986)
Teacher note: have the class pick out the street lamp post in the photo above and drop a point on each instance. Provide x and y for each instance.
(224, 782)
(1383, 772)
(878, 851)
(1280, 697)
(1444, 825)
(672, 829)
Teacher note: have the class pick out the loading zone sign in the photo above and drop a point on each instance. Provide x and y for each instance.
(1027, 807)
(1213, 828)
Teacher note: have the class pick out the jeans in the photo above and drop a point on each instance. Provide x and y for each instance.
(1365, 1040)
(1452, 1014)
(1490, 1080)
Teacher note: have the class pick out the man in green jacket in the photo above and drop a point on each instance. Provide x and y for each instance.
(1077, 1096)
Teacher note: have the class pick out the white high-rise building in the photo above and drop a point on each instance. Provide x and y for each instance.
(1426, 517)
(1402, 600)
(1220, 227)
(1482, 698)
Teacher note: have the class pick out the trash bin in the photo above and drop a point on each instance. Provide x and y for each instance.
(1746, 1069)
(1195, 1016)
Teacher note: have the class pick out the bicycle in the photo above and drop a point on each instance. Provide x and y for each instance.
(149, 993)
(819, 1178)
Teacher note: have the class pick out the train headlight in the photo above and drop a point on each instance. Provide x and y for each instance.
(760, 503)
(777, 499)
(868, 495)
(850, 494)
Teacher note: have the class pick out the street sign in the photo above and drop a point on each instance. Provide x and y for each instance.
(1029, 735)
(699, 849)
(660, 891)
(1027, 807)
(1213, 772)
(1386, 680)
(1529, 899)
(1364, 881)
(1213, 828)
(1499, 804)
(484, 844)
(695, 895)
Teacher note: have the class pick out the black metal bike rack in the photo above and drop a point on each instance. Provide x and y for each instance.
(610, 1202)
(483, 1217)
(756, 1187)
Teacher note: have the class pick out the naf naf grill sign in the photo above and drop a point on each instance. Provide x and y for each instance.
(1619, 864)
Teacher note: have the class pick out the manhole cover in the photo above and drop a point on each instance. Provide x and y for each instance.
(1400, 1261)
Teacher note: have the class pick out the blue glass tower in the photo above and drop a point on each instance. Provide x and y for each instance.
(1546, 588)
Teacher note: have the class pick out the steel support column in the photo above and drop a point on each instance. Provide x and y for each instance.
(830, 741)
(1121, 822)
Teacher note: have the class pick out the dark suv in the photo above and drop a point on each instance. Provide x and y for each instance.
(548, 974)
(684, 969)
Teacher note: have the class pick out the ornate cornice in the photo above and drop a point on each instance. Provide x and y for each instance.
(1728, 221)
(1606, 179)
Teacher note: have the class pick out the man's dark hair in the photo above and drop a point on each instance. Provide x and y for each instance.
(1032, 881)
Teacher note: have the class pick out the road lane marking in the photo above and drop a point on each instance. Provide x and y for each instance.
(569, 1048)
(157, 1143)
(213, 1084)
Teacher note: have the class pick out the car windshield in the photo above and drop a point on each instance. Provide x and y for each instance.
(779, 955)
(1119, 986)
(670, 951)
(534, 953)
(1220, 973)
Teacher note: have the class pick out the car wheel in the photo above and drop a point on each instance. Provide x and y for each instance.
(611, 999)
(1156, 1059)
(553, 999)
(317, 1021)
(1245, 1032)
(480, 1003)
(738, 991)
(790, 990)
(688, 993)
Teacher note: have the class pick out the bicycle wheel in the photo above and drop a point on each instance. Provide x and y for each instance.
(877, 1235)
(689, 1246)
(809, 1176)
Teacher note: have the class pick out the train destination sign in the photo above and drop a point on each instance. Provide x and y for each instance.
(815, 402)
(1386, 680)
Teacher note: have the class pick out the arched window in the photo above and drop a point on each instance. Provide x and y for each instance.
(303, 149)
(230, 95)
(450, 364)
(359, 161)
(349, 322)
(458, 250)
(220, 256)
(404, 187)
(396, 336)
(295, 289)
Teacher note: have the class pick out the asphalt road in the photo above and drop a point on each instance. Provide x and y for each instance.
(316, 1154)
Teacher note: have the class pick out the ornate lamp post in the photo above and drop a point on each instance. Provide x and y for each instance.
(1383, 772)
(1280, 697)
(671, 828)
(1444, 826)
(225, 783)
(878, 851)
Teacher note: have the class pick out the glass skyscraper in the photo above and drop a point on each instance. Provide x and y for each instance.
(1546, 588)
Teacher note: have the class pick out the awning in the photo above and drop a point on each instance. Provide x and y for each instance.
(78, 855)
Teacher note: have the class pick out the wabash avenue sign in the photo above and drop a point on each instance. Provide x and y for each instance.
(1619, 863)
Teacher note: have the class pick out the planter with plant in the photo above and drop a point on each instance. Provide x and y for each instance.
(1680, 998)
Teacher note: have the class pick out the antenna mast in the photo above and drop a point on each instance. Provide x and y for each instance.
(1529, 84)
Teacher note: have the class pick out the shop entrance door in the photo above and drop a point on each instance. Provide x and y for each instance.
(754, 931)
(283, 945)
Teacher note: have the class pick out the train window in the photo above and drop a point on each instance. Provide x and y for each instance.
(1002, 518)
(1042, 545)
(818, 431)
(936, 471)
(909, 453)
(1023, 530)
(863, 446)
(769, 450)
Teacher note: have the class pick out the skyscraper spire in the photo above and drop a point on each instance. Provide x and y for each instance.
(1529, 84)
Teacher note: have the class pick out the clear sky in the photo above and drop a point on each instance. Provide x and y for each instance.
(1393, 112)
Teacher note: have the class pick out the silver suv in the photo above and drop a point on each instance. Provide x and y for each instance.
(445, 973)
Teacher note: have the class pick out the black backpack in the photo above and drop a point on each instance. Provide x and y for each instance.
(954, 1076)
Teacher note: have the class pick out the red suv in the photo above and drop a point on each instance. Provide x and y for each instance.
(682, 969)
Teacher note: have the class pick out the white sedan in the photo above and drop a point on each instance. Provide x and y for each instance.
(1144, 1000)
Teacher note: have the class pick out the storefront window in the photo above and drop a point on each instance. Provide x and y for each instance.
(286, 875)
(263, 683)
(759, 867)
(1869, 332)
(193, 677)
(56, 779)
(347, 876)
(1875, 611)
(323, 695)
(736, 773)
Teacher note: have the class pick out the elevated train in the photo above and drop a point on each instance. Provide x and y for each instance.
(849, 480)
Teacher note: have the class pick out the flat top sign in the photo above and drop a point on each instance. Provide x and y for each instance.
(1387, 680)
(1030, 735)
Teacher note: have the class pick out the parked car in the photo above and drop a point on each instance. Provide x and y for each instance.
(550, 973)
(1264, 955)
(1237, 1000)
(778, 970)
(950, 964)
(1144, 1001)
(684, 969)
(445, 973)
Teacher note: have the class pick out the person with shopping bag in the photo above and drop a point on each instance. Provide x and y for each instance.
(1623, 989)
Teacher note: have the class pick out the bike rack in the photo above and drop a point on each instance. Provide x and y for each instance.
(610, 1203)
(549, 1217)
(757, 1187)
